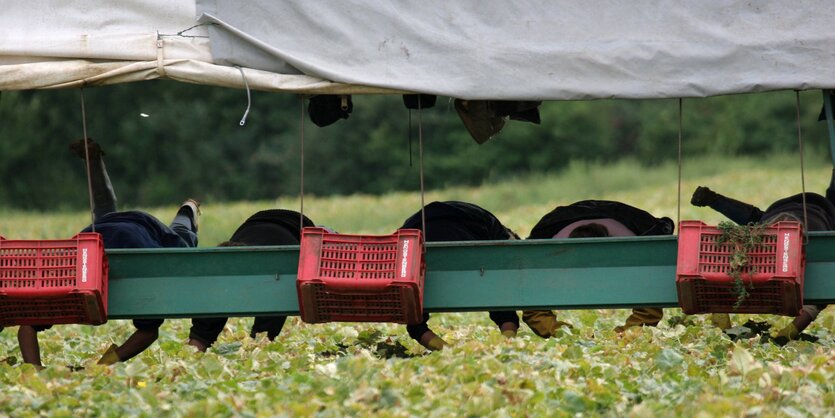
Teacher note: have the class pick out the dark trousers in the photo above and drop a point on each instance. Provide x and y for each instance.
(498, 317)
(206, 330)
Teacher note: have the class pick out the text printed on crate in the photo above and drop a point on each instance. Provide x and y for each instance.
(785, 252)
(83, 265)
(405, 262)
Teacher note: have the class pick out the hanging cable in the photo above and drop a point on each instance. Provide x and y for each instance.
(827, 110)
(422, 190)
(301, 176)
(410, 136)
(248, 96)
(680, 135)
(87, 161)
(802, 168)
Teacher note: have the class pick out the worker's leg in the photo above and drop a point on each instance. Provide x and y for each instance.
(425, 336)
(740, 212)
(641, 317)
(185, 222)
(807, 314)
(30, 350)
(507, 321)
(543, 323)
(272, 325)
(147, 331)
(104, 197)
(204, 331)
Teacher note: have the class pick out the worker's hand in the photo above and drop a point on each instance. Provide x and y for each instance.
(721, 320)
(789, 331)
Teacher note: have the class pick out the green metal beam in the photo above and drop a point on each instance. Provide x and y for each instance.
(471, 276)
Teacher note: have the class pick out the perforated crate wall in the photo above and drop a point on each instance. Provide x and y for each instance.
(46, 282)
(773, 278)
(361, 278)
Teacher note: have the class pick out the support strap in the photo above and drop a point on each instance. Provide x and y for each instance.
(160, 56)
(301, 164)
(422, 190)
(680, 135)
(87, 162)
(802, 168)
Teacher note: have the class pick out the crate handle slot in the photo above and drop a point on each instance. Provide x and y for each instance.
(352, 285)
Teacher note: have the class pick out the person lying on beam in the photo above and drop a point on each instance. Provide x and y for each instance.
(819, 216)
(459, 221)
(267, 227)
(596, 218)
(130, 229)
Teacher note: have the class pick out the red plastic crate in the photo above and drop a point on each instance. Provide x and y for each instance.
(776, 287)
(361, 278)
(44, 282)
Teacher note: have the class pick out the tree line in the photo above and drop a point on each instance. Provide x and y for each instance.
(166, 140)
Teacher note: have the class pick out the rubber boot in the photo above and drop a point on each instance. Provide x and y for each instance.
(509, 329)
(198, 345)
(110, 356)
(543, 323)
(642, 317)
(740, 212)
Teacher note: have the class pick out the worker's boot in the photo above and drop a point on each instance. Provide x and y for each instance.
(543, 323)
(642, 317)
(509, 329)
(703, 196)
(191, 209)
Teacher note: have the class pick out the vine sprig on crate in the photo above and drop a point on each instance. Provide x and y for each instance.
(742, 239)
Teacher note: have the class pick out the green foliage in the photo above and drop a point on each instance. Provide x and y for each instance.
(190, 143)
(335, 370)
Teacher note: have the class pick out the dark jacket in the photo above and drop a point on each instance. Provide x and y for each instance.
(135, 229)
(638, 221)
(819, 211)
(271, 227)
(458, 221)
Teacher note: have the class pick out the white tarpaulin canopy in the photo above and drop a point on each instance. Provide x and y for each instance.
(490, 49)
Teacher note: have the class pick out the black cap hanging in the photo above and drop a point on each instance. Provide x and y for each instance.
(422, 101)
(324, 110)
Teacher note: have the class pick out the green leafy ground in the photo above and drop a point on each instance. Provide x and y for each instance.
(682, 368)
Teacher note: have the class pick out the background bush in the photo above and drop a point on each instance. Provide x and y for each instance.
(190, 144)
